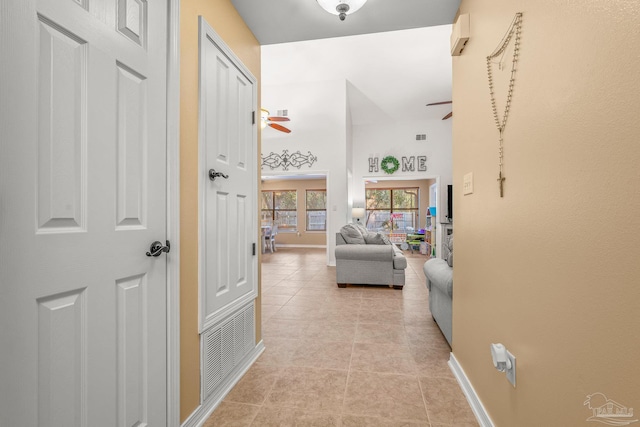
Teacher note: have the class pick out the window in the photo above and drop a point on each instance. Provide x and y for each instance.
(280, 208)
(316, 204)
(392, 209)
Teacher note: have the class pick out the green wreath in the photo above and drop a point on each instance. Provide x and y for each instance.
(385, 164)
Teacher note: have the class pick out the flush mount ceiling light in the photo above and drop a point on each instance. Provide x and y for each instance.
(341, 8)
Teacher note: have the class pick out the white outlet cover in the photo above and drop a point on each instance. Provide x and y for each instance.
(511, 373)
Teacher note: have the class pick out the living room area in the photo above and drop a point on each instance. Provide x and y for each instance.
(340, 132)
(296, 207)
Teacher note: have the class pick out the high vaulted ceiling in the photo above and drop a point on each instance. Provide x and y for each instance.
(282, 21)
(393, 53)
(392, 76)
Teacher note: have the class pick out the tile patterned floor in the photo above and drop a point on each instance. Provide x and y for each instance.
(359, 356)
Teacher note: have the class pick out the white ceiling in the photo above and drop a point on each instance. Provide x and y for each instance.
(392, 75)
(282, 21)
(394, 54)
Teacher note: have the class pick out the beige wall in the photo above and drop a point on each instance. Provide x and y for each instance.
(551, 270)
(224, 19)
(301, 186)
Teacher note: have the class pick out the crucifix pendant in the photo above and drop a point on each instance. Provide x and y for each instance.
(501, 182)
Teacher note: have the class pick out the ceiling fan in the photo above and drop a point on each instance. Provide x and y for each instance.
(267, 119)
(442, 103)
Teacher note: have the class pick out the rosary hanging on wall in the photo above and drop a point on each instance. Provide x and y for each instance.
(499, 53)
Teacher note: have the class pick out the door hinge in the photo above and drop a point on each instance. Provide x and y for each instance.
(253, 117)
(253, 249)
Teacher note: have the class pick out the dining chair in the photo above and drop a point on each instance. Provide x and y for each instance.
(272, 238)
(266, 239)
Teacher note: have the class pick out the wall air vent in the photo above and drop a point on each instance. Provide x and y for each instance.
(421, 137)
(225, 345)
(283, 113)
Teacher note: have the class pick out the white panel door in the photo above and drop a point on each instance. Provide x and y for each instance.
(228, 146)
(82, 196)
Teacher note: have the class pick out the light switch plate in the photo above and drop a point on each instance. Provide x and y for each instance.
(467, 183)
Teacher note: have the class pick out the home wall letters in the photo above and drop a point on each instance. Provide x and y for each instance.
(408, 164)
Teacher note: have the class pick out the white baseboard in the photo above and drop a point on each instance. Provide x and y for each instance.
(204, 411)
(470, 393)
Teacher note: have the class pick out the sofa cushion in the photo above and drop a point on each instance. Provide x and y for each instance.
(352, 234)
(450, 254)
(376, 253)
(376, 239)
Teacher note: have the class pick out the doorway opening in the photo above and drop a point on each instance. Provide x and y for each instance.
(296, 206)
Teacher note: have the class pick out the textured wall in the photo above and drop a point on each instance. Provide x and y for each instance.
(551, 270)
(224, 19)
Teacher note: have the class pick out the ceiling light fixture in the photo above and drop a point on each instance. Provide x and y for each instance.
(342, 8)
(263, 118)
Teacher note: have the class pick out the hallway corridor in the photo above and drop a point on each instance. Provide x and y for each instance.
(359, 356)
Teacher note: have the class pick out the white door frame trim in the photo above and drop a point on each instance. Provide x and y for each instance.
(173, 213)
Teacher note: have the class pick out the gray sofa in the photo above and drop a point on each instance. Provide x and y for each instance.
(439, 274)
(367, 258)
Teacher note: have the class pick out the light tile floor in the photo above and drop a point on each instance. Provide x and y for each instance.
(359, 356)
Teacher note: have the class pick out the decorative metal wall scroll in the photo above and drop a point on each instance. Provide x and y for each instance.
(284, 160)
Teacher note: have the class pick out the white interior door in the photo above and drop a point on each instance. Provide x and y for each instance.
(83, 195)
(228, 146)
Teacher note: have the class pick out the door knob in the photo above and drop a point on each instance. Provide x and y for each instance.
(157, 248)
(213, 175)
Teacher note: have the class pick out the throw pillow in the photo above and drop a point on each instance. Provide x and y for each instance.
(352, 235)
(385, 239)
(360, 226)
(450, 247)
(374, 239)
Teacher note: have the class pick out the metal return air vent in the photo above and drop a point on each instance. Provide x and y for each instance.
(225, 345)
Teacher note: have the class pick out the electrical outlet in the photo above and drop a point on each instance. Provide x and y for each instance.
(511, 372)
(504, 361)
(467, 184)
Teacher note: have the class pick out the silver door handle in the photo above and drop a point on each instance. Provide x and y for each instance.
(213, 175)
(157, 248)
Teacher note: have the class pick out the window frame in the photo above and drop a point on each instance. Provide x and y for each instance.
(273, 210)
(391, 207)
(307, 210)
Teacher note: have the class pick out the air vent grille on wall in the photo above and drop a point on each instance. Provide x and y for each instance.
(283, 113)
(212, 359)
(421, 137)
(224, 346)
